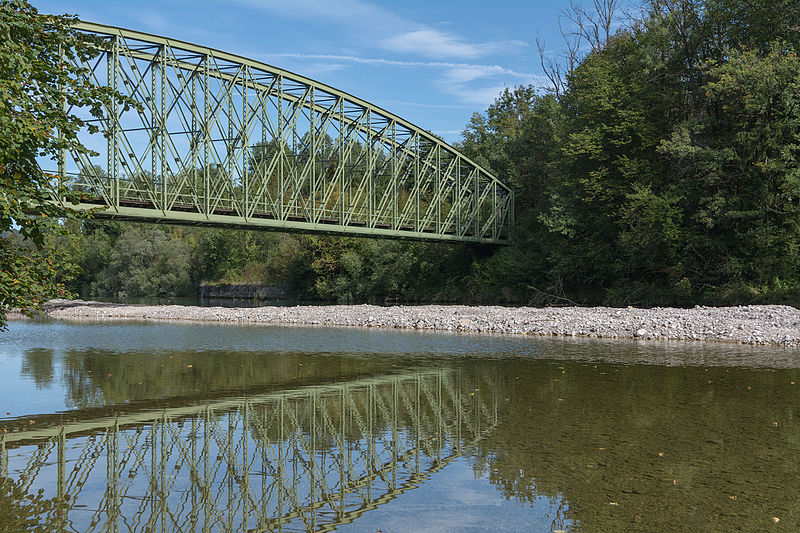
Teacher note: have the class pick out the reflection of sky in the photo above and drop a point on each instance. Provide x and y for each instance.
(455, 500)
(20, 395)
(147, 338)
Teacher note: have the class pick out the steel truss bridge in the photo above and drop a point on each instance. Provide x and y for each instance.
(299, 460)
(223, 140)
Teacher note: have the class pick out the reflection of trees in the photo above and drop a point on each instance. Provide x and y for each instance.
(595, 439)
(38, 364)
(21, 510)
(100, 378)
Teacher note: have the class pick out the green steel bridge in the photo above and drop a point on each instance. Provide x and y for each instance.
(306, 459)
(223, 140)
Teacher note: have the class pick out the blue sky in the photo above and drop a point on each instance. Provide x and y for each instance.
(434, 63)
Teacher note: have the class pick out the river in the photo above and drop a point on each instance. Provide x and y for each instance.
(196, 427)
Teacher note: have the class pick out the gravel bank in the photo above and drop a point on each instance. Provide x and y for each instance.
(757, 324)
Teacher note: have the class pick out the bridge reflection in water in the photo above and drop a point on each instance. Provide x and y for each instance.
(307, 459)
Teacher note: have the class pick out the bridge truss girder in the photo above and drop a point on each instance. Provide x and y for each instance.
(224, 140)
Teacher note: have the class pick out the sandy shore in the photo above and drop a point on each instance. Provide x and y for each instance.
(758, 324)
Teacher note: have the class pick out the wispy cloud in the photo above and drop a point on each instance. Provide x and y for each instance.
(466, 82)
(457, 79)
(474, 69)
(376, 24)
(434, 43)
(478, 96)
(367, 17)
(430, 42)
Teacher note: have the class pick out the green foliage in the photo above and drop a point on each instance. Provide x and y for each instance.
(22, 510)
(37, 84)
(666, 172)
(146, 261)
(123, 259)
(360, 270)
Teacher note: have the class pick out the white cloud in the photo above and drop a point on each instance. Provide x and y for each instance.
(479, 96)
(434, 43)
(476, 70)
(457, 79)
(348, 13)
(373, 23)
(430, 42)
(318, 70)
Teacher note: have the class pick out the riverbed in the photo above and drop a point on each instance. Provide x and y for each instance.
(172, 426)
(755, 324)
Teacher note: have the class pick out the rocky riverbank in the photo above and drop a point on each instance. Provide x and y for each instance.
(757, 324)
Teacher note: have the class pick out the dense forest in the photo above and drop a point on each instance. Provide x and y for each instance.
(660, 167)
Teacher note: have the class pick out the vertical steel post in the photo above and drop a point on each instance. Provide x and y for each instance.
(312, 153)
(342, 163)
(112, 477)
(477, 193)
(244, 492)
(282, 161)
(112, 61)
(281, 457)
(61, 487)
(194, 474)
(417, 182)
(439, 412)
(312, 481)
(245, 139)
(417, 427)
(163, 124)
(230, 147)
(342, 450)
(3, 457)
(162, 492)
(457, 204)
(231, 472)
(370, 174)
(153, 478)
(495, 212)
(437, 189)
(206, 141)
(395, 434)
(206, 486)
(395, 200)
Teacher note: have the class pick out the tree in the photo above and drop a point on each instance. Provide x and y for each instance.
(39, 83)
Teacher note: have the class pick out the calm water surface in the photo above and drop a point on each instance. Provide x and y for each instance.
(143, 427)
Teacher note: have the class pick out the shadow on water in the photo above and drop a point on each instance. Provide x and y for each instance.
(162, 427)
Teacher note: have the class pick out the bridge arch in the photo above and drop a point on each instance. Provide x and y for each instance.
(224, 140)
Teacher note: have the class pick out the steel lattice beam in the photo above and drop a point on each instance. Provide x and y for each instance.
(227, 141)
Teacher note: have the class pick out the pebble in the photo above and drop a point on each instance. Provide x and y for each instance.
(755, 324)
